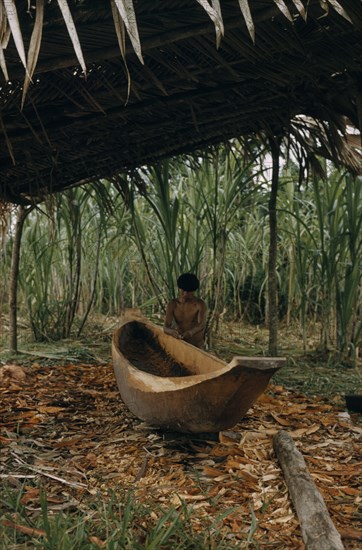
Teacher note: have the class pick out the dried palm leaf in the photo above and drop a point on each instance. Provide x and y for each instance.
(214, 12)
(216, 5)
(4, 39)
(300, 7)
(339, 9)
(283, 8)
(7, 141)
(127, 13)
(68, 19)
(12, 17)
(34, 47)
(326, 138)
(3, 64)
(4, 28)
(121, 36)
(245, 10)
(3, 20)
(324, 5)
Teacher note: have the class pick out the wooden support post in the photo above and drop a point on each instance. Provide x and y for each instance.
(273, 249)
(14, 279)
(318, 530)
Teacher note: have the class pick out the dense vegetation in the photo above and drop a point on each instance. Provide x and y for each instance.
(120, 244)
(93, 251)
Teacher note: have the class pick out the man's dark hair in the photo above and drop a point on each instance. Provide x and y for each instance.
(188, 282)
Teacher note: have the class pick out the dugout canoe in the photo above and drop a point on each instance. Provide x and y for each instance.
(174, 385)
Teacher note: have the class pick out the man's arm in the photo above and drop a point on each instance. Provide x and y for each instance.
(167, 327)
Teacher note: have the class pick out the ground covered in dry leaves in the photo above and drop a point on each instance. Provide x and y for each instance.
(65, 429)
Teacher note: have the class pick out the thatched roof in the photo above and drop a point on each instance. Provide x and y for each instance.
(174, 89)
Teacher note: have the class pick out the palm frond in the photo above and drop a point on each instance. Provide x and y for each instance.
(300, 7)
(245, 10)
(13, 21)
(34, 46)
(214, 12)
(283, 8)
(68, 19)
(121, 37)
(127, 13)
(339, 9)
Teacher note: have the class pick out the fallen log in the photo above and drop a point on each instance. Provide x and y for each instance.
(318, 530)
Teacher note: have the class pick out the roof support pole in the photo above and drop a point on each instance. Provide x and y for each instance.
(272, 275)
(14, 278)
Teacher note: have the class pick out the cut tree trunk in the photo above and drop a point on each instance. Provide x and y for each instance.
(318, 530)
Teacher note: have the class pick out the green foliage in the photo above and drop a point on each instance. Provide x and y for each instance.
(118, 520)
(321, 229)
(162, 230)
(67, 252)
(106, 247)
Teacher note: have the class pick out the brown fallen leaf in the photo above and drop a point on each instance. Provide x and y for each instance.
(304, 431)
(110, 448)
(68, 442)
(5, 440)
(212, 472)
(225, 439)
(30, 495)
(24, 529)
(233, 465)
(321, 477)
(355, 429)
(48, 409)
(10, 374)
(280, 421)
(284, 519)
(350, 491)
(97, 541)
(351, 533)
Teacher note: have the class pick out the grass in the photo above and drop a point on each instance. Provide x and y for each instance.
(313, 373)
(315, 377)
(117, 521)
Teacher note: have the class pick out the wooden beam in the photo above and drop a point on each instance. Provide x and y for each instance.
(318, 530)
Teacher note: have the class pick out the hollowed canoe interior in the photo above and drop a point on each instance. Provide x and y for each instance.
(143, 350)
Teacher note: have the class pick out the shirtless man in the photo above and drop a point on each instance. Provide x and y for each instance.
(187, 313)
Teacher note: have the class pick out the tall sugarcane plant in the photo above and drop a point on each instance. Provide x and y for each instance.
(226, 187)
(65, 266)
(299, 246)
(101, 248)
(339, 214)
(348, 278)
(327, 252)
(161, 228)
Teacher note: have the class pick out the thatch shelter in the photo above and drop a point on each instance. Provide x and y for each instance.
(93, 87)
